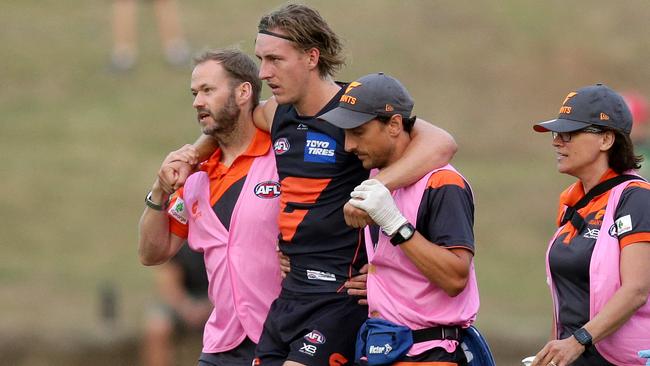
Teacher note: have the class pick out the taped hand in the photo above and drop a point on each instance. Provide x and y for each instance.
(374, 198)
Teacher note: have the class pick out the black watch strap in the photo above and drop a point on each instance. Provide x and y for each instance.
(404, 233)
(583, 337)
(153, 205)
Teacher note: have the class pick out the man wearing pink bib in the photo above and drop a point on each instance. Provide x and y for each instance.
(421, 273)
(227, 210)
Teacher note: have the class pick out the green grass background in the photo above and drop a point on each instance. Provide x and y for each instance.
(80, 146)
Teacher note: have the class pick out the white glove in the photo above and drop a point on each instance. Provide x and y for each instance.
(645, 354)
(374, 198)
(528, 361)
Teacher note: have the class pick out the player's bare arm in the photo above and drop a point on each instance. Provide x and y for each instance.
(263, 114)
(431, 147)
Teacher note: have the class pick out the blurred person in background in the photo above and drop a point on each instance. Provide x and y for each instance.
(315, 321)
(124, 51)
(640, 135)
(597, 260)
(421, 276)
(183, 306)
(227, 210)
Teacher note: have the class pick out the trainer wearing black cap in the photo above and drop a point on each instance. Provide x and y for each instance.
(421, 273)
(597, 259)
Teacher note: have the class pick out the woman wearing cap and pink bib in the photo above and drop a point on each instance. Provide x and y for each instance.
(596, 262)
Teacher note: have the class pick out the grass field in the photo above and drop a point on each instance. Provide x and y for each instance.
(80, 146)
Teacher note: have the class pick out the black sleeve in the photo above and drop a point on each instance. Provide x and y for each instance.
(446, 216)
(633, 213)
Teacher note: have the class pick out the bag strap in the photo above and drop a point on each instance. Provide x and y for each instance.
(571, 213)
(436, 333)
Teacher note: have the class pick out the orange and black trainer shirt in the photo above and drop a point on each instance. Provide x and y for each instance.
(226, 182)
(445, 213)
(570, 254)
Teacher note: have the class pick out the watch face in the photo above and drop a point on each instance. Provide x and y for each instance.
(403, 234)
(583, 337)
(406, 231)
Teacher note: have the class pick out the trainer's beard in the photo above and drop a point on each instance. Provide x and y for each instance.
(225, 120)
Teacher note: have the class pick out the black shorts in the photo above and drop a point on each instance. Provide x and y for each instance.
(312, 329)
(433, 356)
(241, 355)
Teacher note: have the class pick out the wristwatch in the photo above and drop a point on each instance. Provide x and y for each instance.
(404, 233)
(153, 205)
(583, 337)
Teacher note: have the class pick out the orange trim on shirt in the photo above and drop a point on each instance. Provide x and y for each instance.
(634, 238)
(222, 177)
(445, 177)
(572, 195)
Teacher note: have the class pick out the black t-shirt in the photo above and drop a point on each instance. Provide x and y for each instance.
(569, 259)
(316, 177)
(446, 213)
(195, 279)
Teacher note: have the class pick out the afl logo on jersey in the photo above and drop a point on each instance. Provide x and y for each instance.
(315, 337)
(267, 190)
(281, 146)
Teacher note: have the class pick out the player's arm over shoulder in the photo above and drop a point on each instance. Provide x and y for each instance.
(431, 147)
(263, 114)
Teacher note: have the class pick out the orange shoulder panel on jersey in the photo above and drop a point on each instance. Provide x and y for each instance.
(645, 185)
(297, 191)
(445, 177)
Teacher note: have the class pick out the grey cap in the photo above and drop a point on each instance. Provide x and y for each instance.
(592, 105)
(371, 96)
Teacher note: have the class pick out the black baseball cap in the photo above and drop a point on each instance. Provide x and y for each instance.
(592, 105)
(369, 97)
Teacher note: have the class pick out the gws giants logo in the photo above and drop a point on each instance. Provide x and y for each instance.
(566, 109)
(351, 86)
(345, 98)
(281, 146)
(337, 359)
(195, 210)
(267, 190)
(315, 337)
